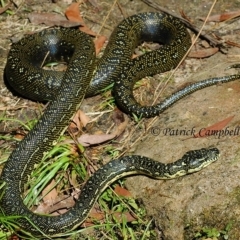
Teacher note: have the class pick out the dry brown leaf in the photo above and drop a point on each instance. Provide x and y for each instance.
(50, 193)
(99, 42)
(88, 31)
(121, 127)
(80, 120)
(122, 191)
(203, 53)
(52, 19)
(75, 124)
(83, 118)
(73, 14)
(95, 214)
(215, 127)
(93, 139)
(59, 206)
(42, 208)
(62, 205)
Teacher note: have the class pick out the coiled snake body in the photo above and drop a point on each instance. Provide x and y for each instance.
(24, 64)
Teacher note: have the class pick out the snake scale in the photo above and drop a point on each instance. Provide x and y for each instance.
(83, 78)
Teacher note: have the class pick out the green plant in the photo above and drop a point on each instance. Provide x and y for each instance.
(66, 165)
(207, 232)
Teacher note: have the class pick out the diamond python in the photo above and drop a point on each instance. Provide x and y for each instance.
(24, 64)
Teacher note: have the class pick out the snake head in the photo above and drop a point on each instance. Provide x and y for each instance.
(199, 159)
(192, 161)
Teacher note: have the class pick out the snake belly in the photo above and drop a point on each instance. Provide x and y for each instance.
(24, 64)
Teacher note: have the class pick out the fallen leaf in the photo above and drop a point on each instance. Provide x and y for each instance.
(203, 53)
(122, 191)
(83, 118)
(73, 14)
(50, 193)
(121, 127)
(79, 120)
(57, 207)
(215, 127)
(205, 44)
(93, 139)
(95, 214)
(52, 19)
(99, 42)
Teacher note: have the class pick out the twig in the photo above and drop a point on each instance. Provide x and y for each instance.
(105, 19)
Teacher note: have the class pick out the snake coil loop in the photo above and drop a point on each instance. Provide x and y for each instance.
(66, 92)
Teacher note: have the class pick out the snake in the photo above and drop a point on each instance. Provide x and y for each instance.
(85, 76)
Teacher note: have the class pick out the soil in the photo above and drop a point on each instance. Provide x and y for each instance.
(180, 207)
